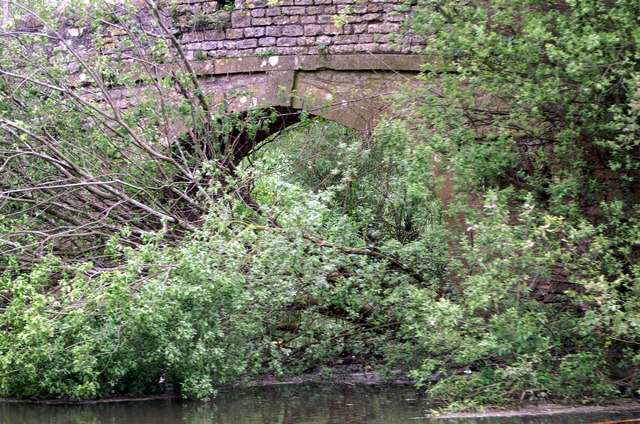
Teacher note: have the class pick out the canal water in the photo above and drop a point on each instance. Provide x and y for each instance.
(299, 404)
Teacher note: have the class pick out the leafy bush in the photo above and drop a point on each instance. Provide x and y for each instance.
(531, 126)
(193, 269)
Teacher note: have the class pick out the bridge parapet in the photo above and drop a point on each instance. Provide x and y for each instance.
(293, 27)
(210, 29)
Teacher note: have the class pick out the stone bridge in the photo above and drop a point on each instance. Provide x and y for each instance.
(331, 58)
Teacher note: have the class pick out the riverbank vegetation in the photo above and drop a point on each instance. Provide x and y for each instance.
(485, 244)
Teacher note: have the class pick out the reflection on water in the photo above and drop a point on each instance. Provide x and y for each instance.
(300, 404)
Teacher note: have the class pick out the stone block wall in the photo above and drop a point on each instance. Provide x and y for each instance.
(208, 29)
(290, 27)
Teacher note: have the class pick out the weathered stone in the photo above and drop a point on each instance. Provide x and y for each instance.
(360, 28)
(214, 35)
(228, 44)
(332, 29)
(293, 10)
(307, 41)
(273, 11)
(394, 17)
(384, 28)
(284, 20)
(249, 43)
(267, 41)
(239, 19)
(234, 33)
(366, 47)
(293, 50)
(289, 27)
(273, 31)
(286, 42)
(346, 39)
(342, 49)
(292, 30)
(365, 38)
(260, 21)
(263, 50)
(324, 39)
(325, 19)
(313, 30)
(254, 32)
(209, 6)
(209, 45)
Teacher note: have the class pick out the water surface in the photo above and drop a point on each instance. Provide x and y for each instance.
(299, 404)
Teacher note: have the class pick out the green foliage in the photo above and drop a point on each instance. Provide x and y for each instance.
(235, 297)
(137, 257)
(534, 125)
